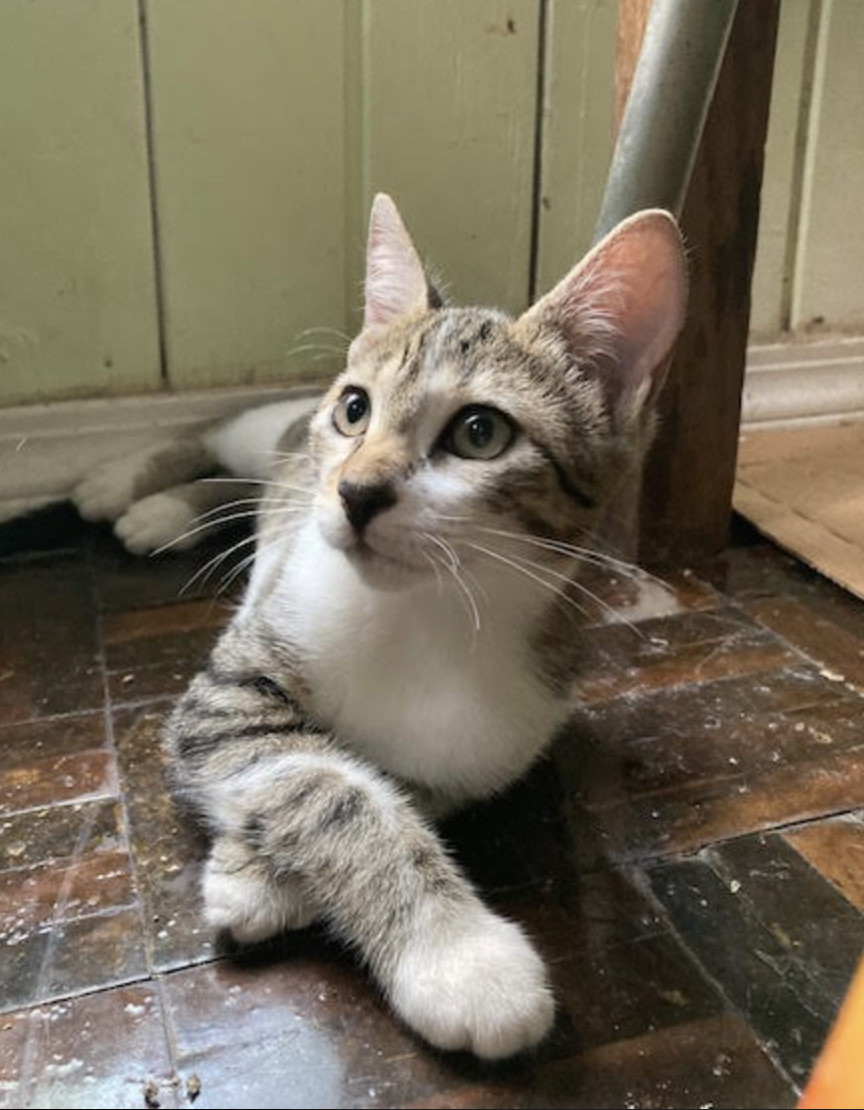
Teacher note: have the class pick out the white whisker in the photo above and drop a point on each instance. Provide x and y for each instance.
(453, 565)
(559, 594)
(614, 613)
(218, 522)
(333, 331)
(589, 555)
(211, 564)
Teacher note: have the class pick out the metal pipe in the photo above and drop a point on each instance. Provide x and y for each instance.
(682, 50)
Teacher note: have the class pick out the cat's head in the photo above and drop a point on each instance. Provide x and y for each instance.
(450, 427)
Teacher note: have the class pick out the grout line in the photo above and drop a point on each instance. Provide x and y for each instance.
(33, 1007)
(111, 747)
(155, 224)
(649, 861)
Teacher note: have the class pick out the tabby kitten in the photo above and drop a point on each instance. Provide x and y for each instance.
(403, 646)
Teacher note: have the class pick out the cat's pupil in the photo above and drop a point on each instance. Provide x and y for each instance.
(355, 407)
(480, 430)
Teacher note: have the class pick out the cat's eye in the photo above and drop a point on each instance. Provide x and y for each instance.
(352, 411)
(478, 432)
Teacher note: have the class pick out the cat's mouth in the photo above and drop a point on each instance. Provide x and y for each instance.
(381, 568)
(363, 552)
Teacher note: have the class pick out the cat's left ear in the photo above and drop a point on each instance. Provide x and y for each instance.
(396, 283)
(621, 308)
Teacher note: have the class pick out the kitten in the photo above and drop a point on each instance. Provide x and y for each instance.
(402, 646)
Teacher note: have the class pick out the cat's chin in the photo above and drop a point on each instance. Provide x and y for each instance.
(380, 571)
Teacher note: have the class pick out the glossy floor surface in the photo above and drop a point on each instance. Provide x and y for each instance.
(690, 858)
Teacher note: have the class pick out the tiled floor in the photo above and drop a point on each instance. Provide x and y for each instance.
(690, 859)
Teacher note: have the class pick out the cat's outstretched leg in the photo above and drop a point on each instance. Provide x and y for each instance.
(285, 802)
(458, 974)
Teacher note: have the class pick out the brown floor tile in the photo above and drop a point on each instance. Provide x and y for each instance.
(839, 652)
(687, 649)
(677, 769)
(59, 759)
(755, 570)
(701, 725)
(155, 652)
(713, 1063)
(836, 850)
(96, 1051)
(255, 1031)
(80, 829)
(55, 736)
(32, 896)
(145, 624)
(763, 571)
(63, 778)
(165, 846)
(49, 660)
(71, 957)
(125, 581)
(520, 838)
(781, 941)
(616, 969)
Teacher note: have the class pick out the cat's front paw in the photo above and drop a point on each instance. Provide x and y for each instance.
(250, 908)
(473, 981)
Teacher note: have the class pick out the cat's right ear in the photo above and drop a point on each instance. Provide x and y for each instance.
(395, 280)
(619, 311)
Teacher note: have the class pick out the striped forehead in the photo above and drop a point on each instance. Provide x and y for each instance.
(442, 354)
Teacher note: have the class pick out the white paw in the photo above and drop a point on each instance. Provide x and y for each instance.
(108, 490)
(159, 520)
(250, 908)
(474, 982)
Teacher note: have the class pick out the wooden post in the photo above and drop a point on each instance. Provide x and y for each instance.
(687, 490)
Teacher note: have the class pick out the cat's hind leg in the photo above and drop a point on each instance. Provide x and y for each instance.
(111, 488)
(243, 899)
(184, 515)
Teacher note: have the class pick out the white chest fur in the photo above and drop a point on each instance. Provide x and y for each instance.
(407, 680)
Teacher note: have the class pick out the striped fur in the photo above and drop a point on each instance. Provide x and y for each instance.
(383, 670)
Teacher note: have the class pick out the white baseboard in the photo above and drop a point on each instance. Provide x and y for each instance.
(46, 449)
(796, 383)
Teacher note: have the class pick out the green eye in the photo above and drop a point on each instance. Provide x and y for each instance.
(352, 411)
(478, 432)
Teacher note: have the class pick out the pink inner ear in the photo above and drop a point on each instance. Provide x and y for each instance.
(622, 307)
(395, 279)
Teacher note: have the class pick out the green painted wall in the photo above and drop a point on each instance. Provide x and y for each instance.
(184, 184)
(77, 294)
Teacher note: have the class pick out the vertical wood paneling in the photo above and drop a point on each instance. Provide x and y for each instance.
(450, 92)
(77, 304)
(578, 130)
(829, 287)
(781, 187)
(248, 120)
